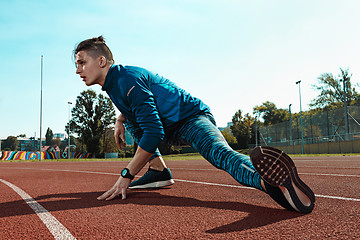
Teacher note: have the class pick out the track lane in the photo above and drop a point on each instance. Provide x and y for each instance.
(186, 210)
(54, 226)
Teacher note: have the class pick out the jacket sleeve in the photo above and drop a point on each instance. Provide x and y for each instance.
(143, 106)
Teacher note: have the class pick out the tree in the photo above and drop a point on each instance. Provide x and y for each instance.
(10, 144)
(57, 141)
(49, 137)
(91, 115)
(242, 128)
(228, 137)
(109, 141)
(332, 90)
(271, 114)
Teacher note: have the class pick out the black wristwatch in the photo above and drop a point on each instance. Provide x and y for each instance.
(125, 173)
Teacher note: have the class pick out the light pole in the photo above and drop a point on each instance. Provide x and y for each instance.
(290, 130)
(301, 121)
(69, 103)
(256, 134)
(345, 109)
(41, 79)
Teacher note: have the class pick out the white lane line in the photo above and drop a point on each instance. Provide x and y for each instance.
(236, 186)
(328, 174)
(338, 198)
(327, 167)
(187, 169)
(55, 227)
(204, 183)
(326, 160)
(215, 184)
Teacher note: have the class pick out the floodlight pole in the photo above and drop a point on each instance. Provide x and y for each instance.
(69, 103)
(301, 121)
(41, 79)
(290, 125)
(256, 132)
(346, 112)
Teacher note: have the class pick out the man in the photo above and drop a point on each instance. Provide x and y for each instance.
(155, 109)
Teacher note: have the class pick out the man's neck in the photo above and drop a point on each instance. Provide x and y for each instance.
(103, 77)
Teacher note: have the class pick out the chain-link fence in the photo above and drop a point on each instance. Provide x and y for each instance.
(328, 126)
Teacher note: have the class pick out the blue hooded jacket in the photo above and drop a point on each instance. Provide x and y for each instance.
(155, 103)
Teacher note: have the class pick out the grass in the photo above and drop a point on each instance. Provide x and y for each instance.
(324, 155)
(173, 157)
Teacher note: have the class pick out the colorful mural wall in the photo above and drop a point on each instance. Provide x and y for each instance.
(22, 155)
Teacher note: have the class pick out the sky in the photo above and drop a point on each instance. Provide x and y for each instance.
(232, 54)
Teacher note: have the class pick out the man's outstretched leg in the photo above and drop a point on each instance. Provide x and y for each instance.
(290, 193)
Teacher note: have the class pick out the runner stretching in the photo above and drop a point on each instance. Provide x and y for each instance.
(154, 109)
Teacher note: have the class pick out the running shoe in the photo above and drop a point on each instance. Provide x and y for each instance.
(277, 169)
(154, 179)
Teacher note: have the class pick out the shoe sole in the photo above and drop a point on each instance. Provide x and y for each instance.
(277, 169)
(158, 184)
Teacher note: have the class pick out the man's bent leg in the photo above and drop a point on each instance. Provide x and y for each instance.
(157, 163)
(158, 175)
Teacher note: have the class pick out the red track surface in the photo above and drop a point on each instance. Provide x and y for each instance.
(187, 210)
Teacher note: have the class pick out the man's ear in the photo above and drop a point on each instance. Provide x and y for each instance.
(102, 61)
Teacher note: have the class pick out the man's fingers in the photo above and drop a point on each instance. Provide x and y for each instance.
(123, 193)
(103, 196)
(107, 194)
(111, 194)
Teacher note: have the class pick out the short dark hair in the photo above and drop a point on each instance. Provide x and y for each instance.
(95, 47)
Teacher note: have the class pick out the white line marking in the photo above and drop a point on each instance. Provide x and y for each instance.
(338, 198)
(54, 226)
(236, 186)
(328, 174)
(118, 174)
(215, 184)
(204, 183)
(325, 160)
(328, 167)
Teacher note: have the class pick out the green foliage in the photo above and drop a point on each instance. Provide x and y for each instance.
(56, 141)
(332, 90)
(49, 137)
(109, 144)
(242, 128)
(166, 149)
(271, 114)
(230, 139)
(91, 115)
(127, 152)
(10, 144)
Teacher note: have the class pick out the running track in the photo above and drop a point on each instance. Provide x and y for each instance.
(57, 200)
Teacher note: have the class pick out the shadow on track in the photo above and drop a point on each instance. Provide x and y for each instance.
(257, 215)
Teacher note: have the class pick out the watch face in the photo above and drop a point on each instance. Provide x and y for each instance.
(124, 172)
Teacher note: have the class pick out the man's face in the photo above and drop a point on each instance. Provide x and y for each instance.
(88, 68)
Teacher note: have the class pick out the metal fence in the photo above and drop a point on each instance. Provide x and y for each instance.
(328, 126)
